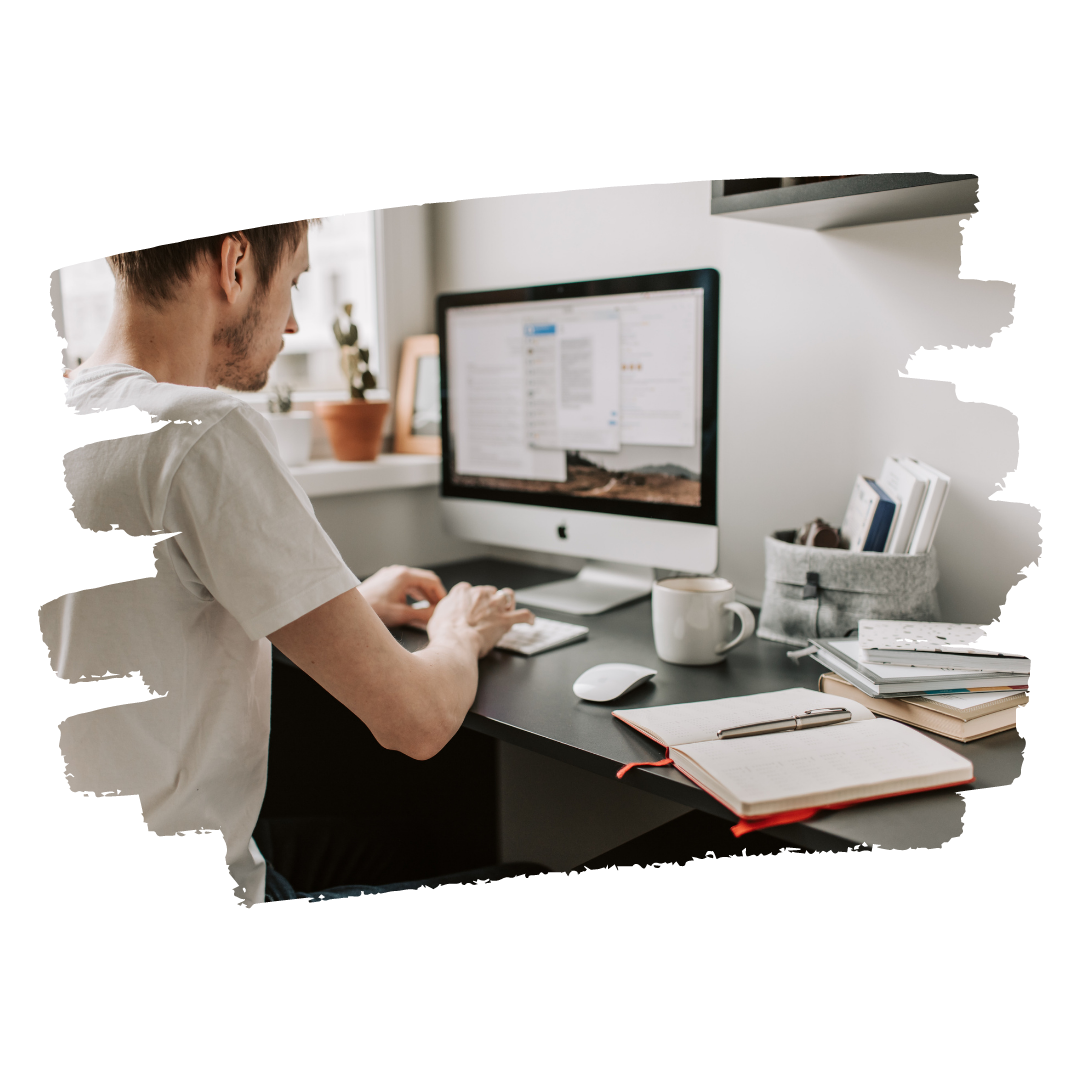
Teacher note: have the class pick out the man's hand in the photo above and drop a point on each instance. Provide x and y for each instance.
(476, 612)
(412, 702)
(389, 590)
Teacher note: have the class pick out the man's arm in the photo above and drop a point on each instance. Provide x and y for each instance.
(412, 702)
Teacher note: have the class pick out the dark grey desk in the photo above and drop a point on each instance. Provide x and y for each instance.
(527, 701)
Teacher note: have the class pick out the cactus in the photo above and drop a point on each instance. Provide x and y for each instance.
(280, 399)
(354, 360)
(346, 337)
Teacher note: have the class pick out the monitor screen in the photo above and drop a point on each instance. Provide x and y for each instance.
(596, 395)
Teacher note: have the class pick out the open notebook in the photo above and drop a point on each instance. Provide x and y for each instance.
(867, 757)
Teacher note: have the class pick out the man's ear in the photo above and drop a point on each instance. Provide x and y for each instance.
(236, 268)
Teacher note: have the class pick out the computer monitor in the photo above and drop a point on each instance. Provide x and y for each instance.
(581, 419)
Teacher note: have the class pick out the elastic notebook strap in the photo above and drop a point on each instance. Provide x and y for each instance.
(634, 764)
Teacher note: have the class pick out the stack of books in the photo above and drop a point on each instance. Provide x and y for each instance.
(897, 513)
(930, 675)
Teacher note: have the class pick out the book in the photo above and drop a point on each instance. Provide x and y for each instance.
(921, 713)
(888, 641)
(869, 517)
(884, 516)
(867, 757)
(907, 490)
(925, 529)
(972, 703)
(965, 691)
(843, 655)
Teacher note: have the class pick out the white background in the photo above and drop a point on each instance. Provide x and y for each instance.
(129, 126)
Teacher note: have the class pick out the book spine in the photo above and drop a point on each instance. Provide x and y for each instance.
(860, 515)
(881, 525)
(906, 517)
(922, 536)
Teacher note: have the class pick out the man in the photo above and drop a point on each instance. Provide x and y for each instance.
(250, 564)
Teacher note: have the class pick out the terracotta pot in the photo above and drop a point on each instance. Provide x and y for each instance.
(354, 427)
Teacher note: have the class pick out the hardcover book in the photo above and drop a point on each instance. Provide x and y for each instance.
(925, 713)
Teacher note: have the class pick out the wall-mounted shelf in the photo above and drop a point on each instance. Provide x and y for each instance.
(328, 477)
(846, 200)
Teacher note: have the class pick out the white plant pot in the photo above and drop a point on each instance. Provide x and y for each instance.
(293, 434)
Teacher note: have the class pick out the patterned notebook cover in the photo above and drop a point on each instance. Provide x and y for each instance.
(924, 637)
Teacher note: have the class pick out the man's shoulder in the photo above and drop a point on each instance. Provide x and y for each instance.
(119, 386)
(207, 436)
(221, 424)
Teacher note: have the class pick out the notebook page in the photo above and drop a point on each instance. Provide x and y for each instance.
(818, 766)
(697, 721)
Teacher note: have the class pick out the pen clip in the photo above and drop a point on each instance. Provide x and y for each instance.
(819, 717)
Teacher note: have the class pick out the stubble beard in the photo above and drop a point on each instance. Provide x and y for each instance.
(236, 372)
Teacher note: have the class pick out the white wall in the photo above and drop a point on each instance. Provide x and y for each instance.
(378, 528)
(814, 327)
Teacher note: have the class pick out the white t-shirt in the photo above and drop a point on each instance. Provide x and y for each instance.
(249, 559)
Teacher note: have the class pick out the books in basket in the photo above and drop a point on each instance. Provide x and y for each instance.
(907, 490)
(953, 645)
(897, 513)
(965, 718)
(844, 656)
(869, 517)
(867, 757)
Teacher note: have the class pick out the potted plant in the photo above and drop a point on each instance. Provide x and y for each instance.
(354, 427)
(291, 429)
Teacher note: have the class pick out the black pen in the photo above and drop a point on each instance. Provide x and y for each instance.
(796, 722)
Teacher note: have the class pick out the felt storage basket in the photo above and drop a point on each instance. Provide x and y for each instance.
(824, 592)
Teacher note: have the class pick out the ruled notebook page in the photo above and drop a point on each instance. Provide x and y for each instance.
(765, 774)
(697, 721)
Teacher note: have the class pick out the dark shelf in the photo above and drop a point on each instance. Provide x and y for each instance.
(848, 200)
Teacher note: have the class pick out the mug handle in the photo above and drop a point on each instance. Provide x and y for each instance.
(747, 625)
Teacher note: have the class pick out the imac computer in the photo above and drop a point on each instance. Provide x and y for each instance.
(582, 419)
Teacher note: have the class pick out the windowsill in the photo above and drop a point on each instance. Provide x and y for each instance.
(389, 471)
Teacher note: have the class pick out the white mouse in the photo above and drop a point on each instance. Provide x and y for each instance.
(606, 682)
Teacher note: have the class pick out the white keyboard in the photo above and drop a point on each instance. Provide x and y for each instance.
(541, 635)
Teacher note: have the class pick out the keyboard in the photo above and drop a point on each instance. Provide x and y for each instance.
(541, 635)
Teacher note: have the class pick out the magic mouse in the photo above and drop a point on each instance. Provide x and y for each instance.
(606, 682)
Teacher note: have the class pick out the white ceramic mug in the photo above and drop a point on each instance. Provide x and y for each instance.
(693, 622)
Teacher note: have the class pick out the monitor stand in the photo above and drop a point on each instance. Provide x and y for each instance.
(598, 586)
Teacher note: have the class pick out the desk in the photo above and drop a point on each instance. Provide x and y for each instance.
(527, 701)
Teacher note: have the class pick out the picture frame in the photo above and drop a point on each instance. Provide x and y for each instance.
(418, 409)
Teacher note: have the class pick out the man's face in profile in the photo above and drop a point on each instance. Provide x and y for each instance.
(252, 344)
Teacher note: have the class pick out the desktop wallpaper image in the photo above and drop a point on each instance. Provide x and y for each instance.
(672, 484)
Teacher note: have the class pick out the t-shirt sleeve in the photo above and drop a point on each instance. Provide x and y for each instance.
(248, 534)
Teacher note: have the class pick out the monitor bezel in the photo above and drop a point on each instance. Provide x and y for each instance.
(708, 280)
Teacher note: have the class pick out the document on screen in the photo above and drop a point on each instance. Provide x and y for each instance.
(572, 383)
(488, 401)
(659, 343)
